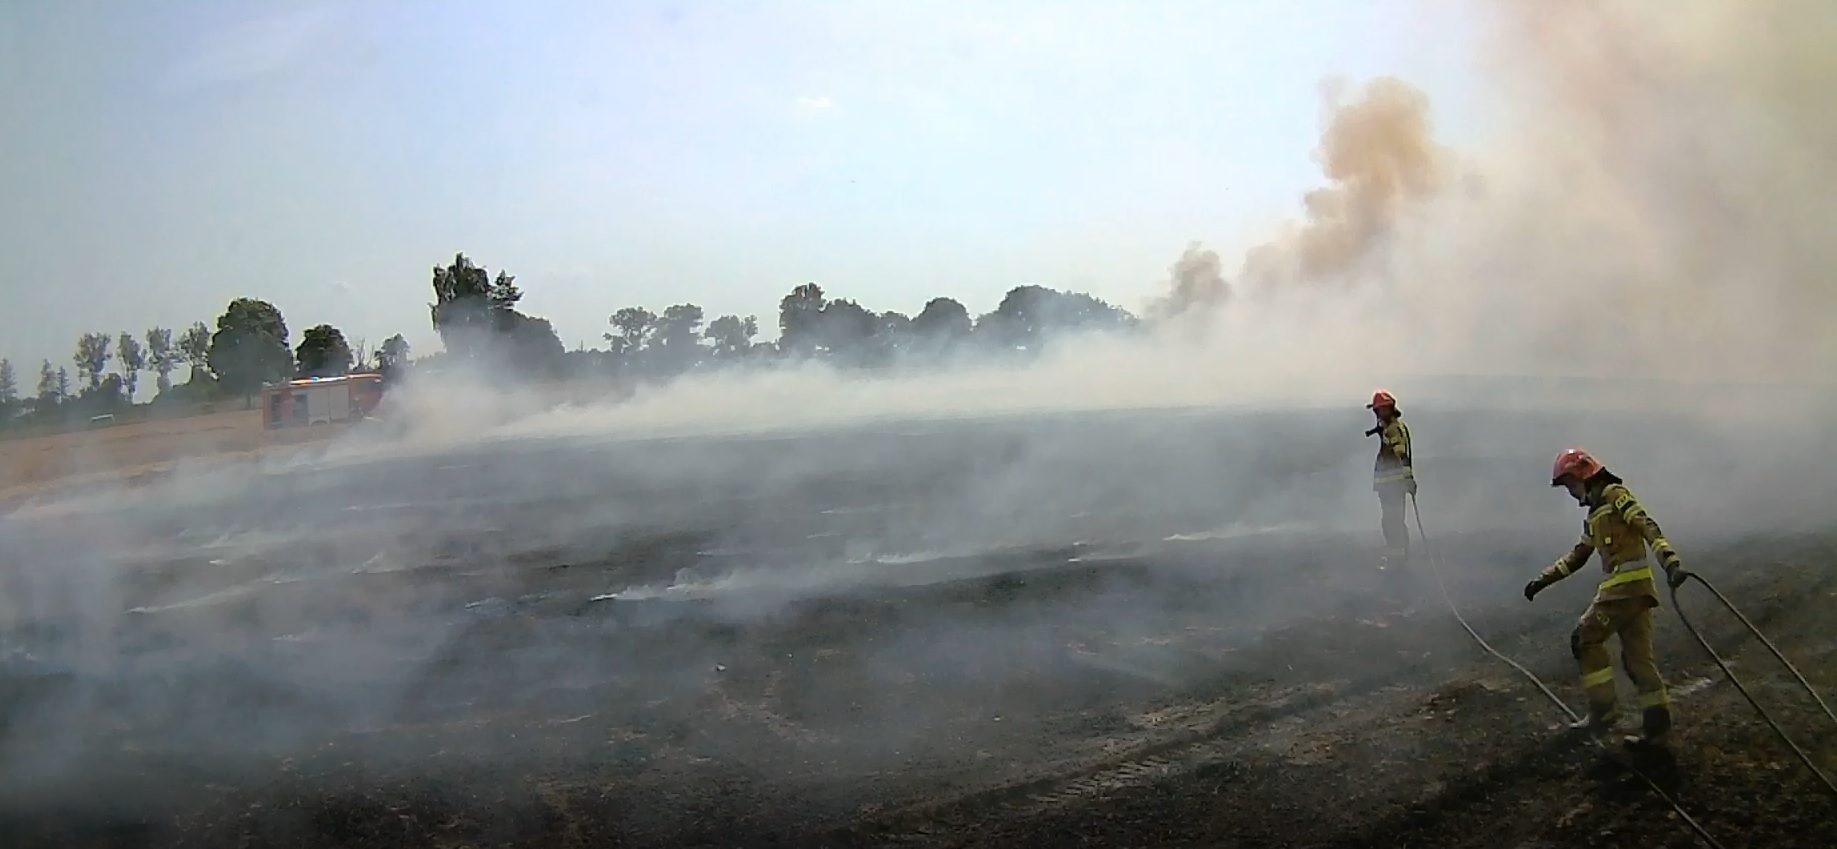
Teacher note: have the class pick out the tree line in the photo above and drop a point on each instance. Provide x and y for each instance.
(476, 316)
(247, 349)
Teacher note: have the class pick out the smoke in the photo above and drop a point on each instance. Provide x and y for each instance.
(1198, 280)
(1380, 160)
(1652, 206)
(1699, 137)
(1656, 201)
(1651, 203)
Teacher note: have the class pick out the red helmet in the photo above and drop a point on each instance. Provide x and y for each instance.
(1381, 399)
(1573, 462)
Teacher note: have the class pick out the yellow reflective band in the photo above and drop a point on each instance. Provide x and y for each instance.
(1656, 698)
(1643, 573)
(1598, 677)
(1390, 476)
(1598, 512)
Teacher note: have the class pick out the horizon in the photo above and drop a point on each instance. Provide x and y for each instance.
(891, 154)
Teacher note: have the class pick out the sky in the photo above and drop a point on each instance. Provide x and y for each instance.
(160, 158)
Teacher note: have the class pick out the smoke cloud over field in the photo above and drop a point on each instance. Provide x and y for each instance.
(1380, 160)
(1649, 201)
(1654, 203)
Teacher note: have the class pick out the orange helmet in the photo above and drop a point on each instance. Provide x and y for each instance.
(1381, 399)
(1573, 462)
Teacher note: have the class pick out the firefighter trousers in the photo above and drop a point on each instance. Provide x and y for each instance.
(1396, 529)
(1630, 619)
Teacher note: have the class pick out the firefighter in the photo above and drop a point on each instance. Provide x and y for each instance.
(1392, 476)
(1619, 528)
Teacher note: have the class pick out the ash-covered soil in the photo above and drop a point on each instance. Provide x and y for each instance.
(1143, 630)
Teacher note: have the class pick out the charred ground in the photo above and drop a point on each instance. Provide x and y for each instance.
(942, 635)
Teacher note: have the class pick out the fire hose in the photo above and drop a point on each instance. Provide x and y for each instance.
(1435, 570)
(1771, 723)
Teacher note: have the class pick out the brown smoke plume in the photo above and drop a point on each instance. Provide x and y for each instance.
(1660, 200)
(1197, 279)
(1684, 149)
(1379, 157)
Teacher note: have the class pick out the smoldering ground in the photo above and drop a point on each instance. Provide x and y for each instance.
(220, 626)
(563, 564)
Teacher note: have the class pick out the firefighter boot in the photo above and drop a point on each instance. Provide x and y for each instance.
(1655, 730)
(1596, 726)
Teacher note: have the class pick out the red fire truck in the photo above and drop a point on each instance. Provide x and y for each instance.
(321, 400)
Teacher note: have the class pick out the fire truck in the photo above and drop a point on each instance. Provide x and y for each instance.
(320, 400)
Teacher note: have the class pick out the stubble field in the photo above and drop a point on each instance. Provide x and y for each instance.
(1138, 629)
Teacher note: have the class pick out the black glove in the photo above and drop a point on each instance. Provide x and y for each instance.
(1412, 489)
(1676, 574)
(1533, 588)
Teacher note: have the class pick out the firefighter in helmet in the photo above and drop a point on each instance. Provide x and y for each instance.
(1392, 476)
(1619, 528)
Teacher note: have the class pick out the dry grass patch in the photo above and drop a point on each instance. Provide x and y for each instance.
(138, 451)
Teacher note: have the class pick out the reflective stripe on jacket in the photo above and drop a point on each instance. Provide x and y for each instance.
(1393, 464)
(1619, 528)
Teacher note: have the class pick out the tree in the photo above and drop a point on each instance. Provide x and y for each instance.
(533, 345)
(162, 357)
(676, 341)
(1027, 314)
(1037, 309)
(92, 358)
(323, 352)
(470, 308)
(679, 325)
(942, 319)
(361, 355)
(106, 396)
(1022, 312)
(133, 360)
(476, 315)
(194, 345)
(893, 333)
(249, 348)
(61, 386)
(999, 330)
(800, 315)
(47, 386)
(635, 325)
(392, 355)
(846, 327)
(9, 389)
(732, 336)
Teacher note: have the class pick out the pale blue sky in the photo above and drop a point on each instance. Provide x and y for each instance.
(163, 156)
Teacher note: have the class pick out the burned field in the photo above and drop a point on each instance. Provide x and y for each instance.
(1131, 630)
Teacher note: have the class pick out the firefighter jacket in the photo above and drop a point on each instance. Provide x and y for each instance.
(1392, 467)
(1619, 528)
